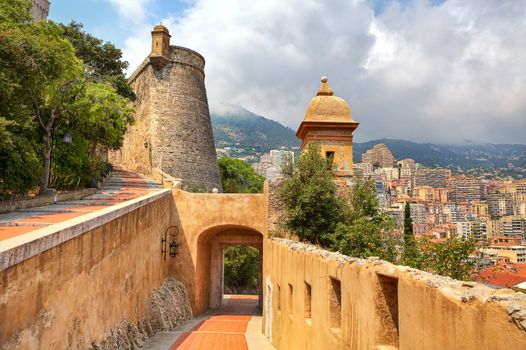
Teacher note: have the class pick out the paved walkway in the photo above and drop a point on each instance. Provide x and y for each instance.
(235, 326)
(120, 187)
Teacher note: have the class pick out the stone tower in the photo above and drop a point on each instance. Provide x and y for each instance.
(173, 131)
(328, 122)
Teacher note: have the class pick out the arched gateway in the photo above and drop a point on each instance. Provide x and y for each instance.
(208, 224)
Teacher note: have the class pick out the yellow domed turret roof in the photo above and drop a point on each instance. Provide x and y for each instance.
(327, 107)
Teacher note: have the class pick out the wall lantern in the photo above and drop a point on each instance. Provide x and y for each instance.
(174, 249)
(172, 232)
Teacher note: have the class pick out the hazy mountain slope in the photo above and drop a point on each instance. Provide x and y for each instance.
(234, 126)
(464, 156)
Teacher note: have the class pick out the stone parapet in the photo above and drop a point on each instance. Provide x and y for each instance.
(23, 247)
(74, 284)
(325, 300)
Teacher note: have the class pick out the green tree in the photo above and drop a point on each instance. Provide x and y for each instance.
(239, 177)
(102, 60)
(309, 198)
(241, 266)
(15, 12)
(410, 253)
(102, 115)
(20, 165)
(450, 258)
(367, 231)
(45, 87)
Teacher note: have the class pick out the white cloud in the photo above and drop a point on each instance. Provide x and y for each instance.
(134, 10)
(428, 73)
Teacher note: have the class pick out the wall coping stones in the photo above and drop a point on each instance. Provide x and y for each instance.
(25, 246)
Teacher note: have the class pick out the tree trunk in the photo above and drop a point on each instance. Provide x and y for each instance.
(47, 162)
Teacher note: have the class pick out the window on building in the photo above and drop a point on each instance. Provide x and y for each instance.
(330, 159)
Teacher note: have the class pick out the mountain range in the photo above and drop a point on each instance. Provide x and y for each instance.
(238, 128)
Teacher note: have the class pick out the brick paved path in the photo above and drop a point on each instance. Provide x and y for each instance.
(223, 331)
(235, 326)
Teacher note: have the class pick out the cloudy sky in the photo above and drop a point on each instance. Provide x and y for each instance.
(424, 70)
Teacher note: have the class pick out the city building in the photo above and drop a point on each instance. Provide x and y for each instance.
(454, 213)
(500, 204)
(468, 229)
(418, 213)
(437, 178)
(507, 226)
(423, 193)
(465, 189)
(271, 165)
(443, 231)
(40, 9)
(515, 253)
(480, 209)
(380, 156)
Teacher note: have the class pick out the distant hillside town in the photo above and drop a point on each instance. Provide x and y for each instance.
(443, 205)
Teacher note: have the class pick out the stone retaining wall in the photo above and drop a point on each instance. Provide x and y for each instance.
(12, 205)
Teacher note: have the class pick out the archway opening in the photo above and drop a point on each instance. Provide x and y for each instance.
(241, 270)
(212, 245)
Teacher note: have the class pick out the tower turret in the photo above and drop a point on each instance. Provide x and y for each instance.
(328, 122)
(173, 131)
(160, 54)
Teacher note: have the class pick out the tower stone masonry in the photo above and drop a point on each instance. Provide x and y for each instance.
(173, 131)
(39, 9)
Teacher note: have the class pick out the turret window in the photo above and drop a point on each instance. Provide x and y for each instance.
(330, 159)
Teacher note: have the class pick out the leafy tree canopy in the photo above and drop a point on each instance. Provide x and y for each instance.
(448, 258)
(241, 266)
(102, 60)
(239, 177)
(309, 198)
(367, 231)
(46, 92)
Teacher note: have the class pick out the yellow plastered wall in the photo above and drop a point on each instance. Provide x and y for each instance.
(381, 306)
(342, 155)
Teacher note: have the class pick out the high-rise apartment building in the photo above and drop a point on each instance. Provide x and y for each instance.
(40, 9)
(418, 213)
(507, 226)
(271, 165)
(500, 204)
(437, 178)
(380, 155)
(465, 189)
(454, 213)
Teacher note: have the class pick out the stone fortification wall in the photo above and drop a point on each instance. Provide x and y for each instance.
(173, 120)
(324, 300)
(101, 282)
